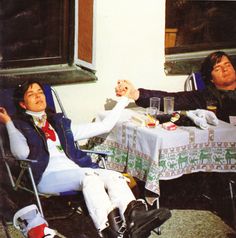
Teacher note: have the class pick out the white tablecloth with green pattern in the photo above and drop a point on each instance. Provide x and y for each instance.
(153, 154)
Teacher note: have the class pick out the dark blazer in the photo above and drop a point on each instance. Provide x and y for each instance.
(38, 145)
(191, 100)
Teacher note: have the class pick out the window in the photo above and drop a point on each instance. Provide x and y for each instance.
(34, 33)
(196, 28)
(37, 39)
(85, 50)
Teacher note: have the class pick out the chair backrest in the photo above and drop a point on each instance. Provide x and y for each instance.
(15, 171)
(194, 82)
(7, 101)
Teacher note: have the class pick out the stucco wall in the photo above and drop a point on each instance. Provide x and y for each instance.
(129, 45)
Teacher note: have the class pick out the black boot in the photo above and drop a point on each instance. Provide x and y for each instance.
(116, 226)
(109, 233)
(141, 222)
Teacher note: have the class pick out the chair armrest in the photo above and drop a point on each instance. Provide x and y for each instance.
(102, 153)
(102, 156)
(28, 160)
(11, 157)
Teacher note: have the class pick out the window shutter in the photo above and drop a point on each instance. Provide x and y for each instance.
(85, 50)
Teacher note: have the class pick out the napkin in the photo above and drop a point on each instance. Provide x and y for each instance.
(198, 121)
(202, 118)
(209, 115)
(138, 119)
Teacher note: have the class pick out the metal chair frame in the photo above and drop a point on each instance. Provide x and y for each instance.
(194, 82)
(25, 166)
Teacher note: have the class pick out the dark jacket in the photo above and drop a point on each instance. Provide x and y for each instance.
(38, 144)
(191, 100)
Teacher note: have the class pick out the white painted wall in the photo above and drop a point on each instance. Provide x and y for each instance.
(129, 45)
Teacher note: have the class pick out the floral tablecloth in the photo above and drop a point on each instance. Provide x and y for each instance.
(153, 154)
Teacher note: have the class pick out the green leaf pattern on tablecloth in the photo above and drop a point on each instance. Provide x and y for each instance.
(203, 157)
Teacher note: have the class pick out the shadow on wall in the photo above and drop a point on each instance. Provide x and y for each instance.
(110, 103)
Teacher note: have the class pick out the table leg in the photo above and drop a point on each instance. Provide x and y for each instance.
(158, 229)
(231, 182)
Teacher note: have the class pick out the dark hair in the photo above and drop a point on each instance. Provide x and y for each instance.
(209, 63)
(20, 92)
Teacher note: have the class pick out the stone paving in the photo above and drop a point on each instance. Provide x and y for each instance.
(182, 224)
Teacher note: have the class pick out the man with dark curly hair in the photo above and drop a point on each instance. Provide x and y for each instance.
(219, 76)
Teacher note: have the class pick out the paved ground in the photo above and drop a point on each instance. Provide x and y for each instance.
(199, 203)
(2, 231)
(183, 224)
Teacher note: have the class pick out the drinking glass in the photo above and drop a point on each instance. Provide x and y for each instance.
(168, 105)
(155, 102)
(211, 105)
(151, 113)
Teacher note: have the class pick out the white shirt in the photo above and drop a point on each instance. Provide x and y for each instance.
(20, 148)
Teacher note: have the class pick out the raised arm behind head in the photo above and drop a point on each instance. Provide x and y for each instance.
(4, 117)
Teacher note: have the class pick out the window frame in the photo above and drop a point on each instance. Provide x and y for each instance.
(180, 61)
(88, 62)
(61, 73)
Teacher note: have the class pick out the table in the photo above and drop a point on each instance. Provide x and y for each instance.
(154, 154)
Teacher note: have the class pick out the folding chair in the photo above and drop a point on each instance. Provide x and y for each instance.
(17, 180)
(194, 82)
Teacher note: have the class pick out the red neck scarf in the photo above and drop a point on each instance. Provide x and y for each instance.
(49, 132)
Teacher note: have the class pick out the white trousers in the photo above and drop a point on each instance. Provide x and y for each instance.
(103, 190)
